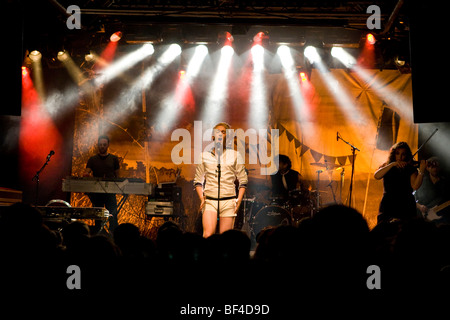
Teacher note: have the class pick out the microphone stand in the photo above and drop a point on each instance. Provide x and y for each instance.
(36, 177)
(219, 154)
(354, 149)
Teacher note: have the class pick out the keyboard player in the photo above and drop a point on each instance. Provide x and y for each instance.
(104, 165)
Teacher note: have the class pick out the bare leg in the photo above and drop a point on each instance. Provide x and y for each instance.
(226, 223)
(209, 221)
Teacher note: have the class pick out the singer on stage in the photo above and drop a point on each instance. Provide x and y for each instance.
(104, 165)
(218, 170)
(400, 178)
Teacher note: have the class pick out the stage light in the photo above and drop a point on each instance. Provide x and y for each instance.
(181, 74)
(38, 78)
(303, 76)
(35, 56)
(312, 54)
(259, 38)
(201, 50)
(148, 49)
(343, 56)
(116, 36)
(62, 56)
(89, 57)
(225, 39)
(227, 51)
(284, 53)
(370, 38)
(196, 61)
(24, 71)
(400, 61)
(171, 53)
(258, 57)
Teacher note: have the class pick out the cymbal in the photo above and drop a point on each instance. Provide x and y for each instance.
(320, 191)
(329, 166)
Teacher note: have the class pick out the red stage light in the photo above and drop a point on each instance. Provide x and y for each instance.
(181, 74)
(116, 36)
(303, 76)
(226, 38)
(259, 38)
(370, 38)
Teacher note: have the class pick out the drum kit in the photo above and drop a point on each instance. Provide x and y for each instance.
(256, 214)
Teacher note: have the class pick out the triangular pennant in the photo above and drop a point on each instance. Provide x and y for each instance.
(351, 158)
(289, 136)
(330, 159)
(281, 129)
(342, 160)
(297, 143)
(316, 155)
(303, 150)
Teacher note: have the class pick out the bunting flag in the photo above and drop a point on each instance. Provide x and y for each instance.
(301, 149)
(304, 148)
(342, 160)
(316, 155)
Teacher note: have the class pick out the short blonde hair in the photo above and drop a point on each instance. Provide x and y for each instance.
(223, 124)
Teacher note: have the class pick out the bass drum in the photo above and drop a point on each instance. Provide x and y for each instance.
(270, 216)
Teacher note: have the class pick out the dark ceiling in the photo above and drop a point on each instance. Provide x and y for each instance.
(191, 21)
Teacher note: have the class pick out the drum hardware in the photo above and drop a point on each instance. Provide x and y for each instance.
(329, 167)
(270, 216)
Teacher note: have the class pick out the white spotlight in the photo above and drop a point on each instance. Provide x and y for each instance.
(35, 55)
(312, 54)
(62, 56)
(343, 56)
(201, 50)
(175, 49)
(227, 51)
(285, 56)
(283, 51)
(148, 49)
(196, 62)
(258, 57)
(170, 54)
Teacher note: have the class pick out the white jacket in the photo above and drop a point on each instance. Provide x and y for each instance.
(232, 168)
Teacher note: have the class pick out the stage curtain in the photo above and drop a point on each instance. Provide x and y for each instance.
(357, 105)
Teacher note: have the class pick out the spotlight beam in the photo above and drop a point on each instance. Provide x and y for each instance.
(258, 99)
(393, 98)
(173, 103)
(290, 74)
(343, 99)
(215, 100)
(126, 102)
(124, 63)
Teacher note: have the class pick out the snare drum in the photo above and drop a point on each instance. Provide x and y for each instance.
(270, 216)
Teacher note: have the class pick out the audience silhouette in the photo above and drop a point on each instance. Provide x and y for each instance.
(324, 257)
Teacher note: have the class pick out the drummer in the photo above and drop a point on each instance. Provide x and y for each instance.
(286, 181)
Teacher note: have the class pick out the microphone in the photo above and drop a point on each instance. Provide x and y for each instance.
(50, 155)
(337, 135)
